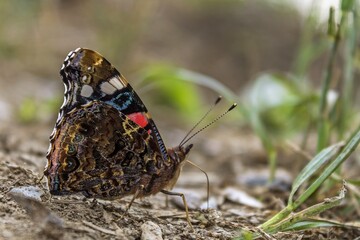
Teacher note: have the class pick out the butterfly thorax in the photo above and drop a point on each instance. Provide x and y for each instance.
(167, 178)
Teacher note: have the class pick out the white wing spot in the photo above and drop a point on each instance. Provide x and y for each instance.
(64, 102)
(116, 83)
(107, 88)
(48, 151)
(66, 88)
(52, 135)
(86, 91)
(60, 115)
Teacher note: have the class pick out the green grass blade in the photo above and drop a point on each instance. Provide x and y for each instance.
(313, 166)
(313, 223)
(208, 82)
(350, 146)
(307, 213)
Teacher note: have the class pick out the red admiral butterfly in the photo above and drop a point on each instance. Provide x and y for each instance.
(105, 144)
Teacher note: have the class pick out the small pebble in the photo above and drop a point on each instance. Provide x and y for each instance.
(241, 197)
(28, 192)
(151, 231)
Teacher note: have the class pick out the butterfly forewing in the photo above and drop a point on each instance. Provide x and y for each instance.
(88, 76)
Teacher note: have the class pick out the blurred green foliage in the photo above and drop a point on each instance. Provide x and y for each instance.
(282, 105)
(173, 91)
(32, 110)
(28, 111)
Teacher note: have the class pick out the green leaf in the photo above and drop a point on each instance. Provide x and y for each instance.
(312, 223)
(313, 166)
(350, 147)
(209, 82)
(304, 215)
(281, 216)
(281, 104)
(355, 182)
(173, 90)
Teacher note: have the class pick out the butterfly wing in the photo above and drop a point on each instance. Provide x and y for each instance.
(88, 76)
(100, 152)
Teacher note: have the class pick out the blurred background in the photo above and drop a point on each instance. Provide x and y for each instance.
(231, 41)
(268, 56)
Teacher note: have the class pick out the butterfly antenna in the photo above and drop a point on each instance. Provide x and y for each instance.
(203, 117)
(207, 181)
(208, 125)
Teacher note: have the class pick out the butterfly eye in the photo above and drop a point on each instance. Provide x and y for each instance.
(86, 78)
(71, 163)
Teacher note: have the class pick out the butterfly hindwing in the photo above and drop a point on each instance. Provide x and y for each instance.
(100, 152)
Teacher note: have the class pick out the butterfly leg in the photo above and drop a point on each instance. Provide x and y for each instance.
(185, 204)
(136, 194)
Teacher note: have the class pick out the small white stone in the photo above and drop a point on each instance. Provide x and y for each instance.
(28, 191)
(236, 195)
(151, 231)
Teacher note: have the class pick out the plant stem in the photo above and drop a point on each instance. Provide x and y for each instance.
(277, 218)
(348, 76)
(323, 126)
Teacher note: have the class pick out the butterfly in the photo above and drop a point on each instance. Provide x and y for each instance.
(105, 143)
